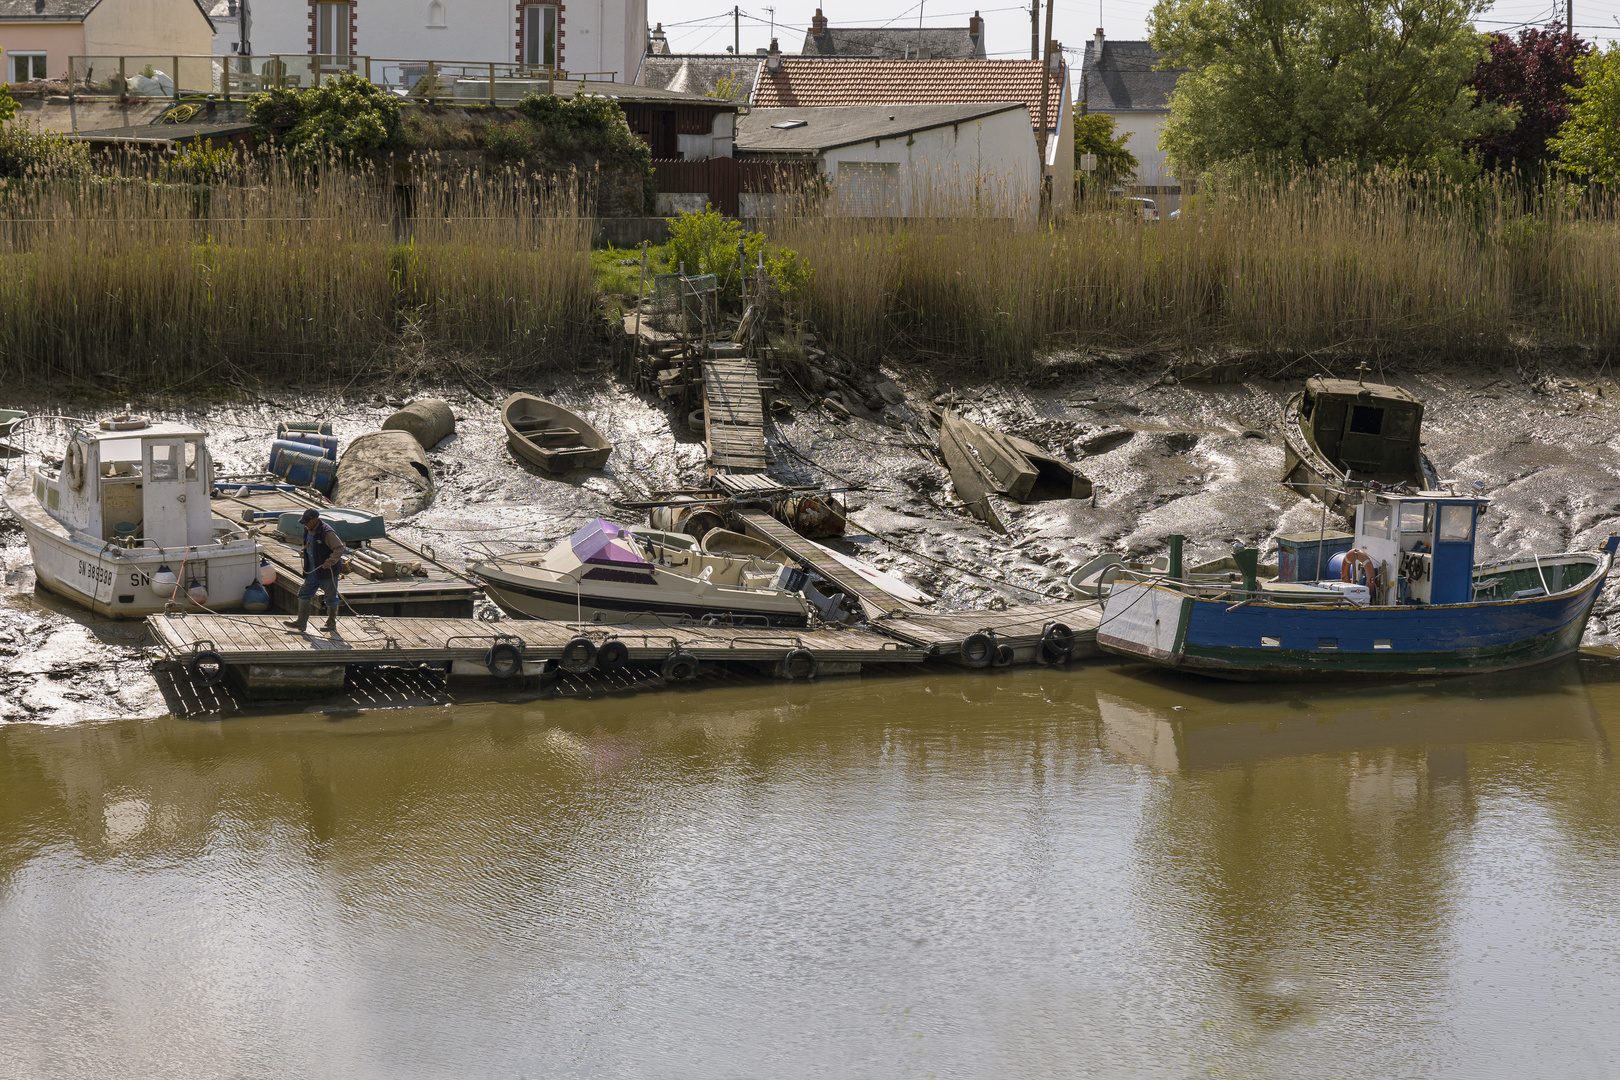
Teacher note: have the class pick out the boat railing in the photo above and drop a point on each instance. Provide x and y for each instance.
(28, 432)
(1215, 591)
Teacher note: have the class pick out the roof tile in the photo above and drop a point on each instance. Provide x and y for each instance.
(817, 81)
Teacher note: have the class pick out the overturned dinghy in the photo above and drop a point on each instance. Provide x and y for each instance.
(385, 472)
(551, 437)
(985, 462)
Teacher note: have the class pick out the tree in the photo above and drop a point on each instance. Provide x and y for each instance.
(8, 104)
(1309, 81)
(1532, 76)
(1588, 145)
(1094, 134)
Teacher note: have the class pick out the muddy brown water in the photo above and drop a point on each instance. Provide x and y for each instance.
(1028, 873)
(1097, 871)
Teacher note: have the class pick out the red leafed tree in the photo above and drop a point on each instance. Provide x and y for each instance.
(1533, 73)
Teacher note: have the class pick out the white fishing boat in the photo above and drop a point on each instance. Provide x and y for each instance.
(121, 522)
(608, 573)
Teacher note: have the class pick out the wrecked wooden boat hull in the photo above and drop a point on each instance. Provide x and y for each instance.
(985, 462)
(1326, 444)
(974, 485)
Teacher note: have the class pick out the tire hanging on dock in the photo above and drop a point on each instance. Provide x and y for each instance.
(979, 648)
(799, 663)
(579, 655)
(612, 656)
(1057, 644)
(206, 668)
(504, 659)
(679, 666)
(1003, 655)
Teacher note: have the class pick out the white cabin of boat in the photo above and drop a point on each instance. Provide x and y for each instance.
(1422, 545)
(150, 484)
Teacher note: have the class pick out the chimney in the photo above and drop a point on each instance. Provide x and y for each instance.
(1096, 54)
(975, 27)
(818, 24)
(1054, 63)
(656, 42)
(773, 58)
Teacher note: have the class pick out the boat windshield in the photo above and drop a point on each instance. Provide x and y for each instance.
(602, 543)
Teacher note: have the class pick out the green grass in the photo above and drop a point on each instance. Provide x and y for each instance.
(617, 271)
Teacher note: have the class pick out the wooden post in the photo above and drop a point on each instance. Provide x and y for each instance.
(1046, 77)
(433, 80)
(175, 93)
(492, 84)
(641, 298)
(123, 82)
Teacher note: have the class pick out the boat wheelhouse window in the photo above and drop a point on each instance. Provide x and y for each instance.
(165, 463)
(1309, 404)
(1398, 423)
(1375, 519)
(1366, 420)
(1415, 517)
(1456, 522)
(121, 450)
(191, 460)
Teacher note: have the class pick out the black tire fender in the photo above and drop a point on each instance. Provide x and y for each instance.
(504, 659)
(979, 648)
(799, 663)
(206, 668)
(1003, 656)
(1057, 643)
(679, 666)
(579, 655)
(612, 656)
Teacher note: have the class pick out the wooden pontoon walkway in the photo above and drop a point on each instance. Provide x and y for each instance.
(942, 633)
(733, 415)
(262, 639)
(442, 594)
(761, 526)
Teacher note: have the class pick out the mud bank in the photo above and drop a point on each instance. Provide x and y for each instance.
(1166, 456)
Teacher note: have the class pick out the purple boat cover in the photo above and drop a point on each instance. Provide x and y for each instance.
(598, 543)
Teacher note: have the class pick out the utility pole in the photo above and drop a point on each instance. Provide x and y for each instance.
(1034, 29)
(1046, 77)
(920, 6)
(1569, 22)
(736, 31)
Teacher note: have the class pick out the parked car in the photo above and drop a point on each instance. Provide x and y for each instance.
(1150, 208)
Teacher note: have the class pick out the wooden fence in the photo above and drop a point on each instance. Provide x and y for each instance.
(723, 179)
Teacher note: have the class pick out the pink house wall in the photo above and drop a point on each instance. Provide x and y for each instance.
(57, 41)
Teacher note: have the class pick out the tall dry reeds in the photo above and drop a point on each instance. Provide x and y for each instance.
(1378, 261)
(278, 273)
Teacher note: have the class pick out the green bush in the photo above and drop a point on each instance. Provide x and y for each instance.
(8, 104)
(200, 163)
(346, 115)
(707, 243)
(27, 152)
(566, 127)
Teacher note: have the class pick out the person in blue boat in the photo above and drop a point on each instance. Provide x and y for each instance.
(323, 554)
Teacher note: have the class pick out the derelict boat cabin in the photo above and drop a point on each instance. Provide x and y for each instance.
(124, 524)
(1337, 430)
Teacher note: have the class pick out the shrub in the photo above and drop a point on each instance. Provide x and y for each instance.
(707, 243)
(347, 115)
(27, 152)
(8, 104)
(200, 163)
(565, 127)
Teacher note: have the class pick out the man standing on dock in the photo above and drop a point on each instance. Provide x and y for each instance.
(323, 551)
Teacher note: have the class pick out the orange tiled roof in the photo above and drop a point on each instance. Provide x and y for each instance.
(816, 81)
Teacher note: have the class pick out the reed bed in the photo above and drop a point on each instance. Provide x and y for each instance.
(273, 273)
(1381, 262)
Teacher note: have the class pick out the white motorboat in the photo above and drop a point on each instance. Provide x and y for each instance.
(609, 573)
(122, 523)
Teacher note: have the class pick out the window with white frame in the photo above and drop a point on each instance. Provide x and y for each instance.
(332, 29)
(26, 66)
(540, 24)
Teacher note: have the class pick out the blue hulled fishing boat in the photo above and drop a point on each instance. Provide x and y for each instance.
(1406, 599)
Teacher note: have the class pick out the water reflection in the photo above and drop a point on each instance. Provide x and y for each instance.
(1033, 873)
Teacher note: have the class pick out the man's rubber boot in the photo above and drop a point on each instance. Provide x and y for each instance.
(302, 620)
(331, 621)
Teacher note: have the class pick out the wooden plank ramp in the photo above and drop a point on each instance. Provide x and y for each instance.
(441, 594)
(942, 633)
(262, 639)
(762, 526)
(734, 414)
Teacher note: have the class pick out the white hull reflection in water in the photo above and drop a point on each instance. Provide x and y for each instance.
(1023, 873)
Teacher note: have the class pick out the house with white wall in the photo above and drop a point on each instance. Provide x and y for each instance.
(903, 160)
(1121, 79)
(38, 36)
(823, 81)
(606, 37)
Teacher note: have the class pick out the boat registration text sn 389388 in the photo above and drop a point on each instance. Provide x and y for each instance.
(98, 575)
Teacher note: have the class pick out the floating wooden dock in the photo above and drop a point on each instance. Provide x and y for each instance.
(441, 594)
(265, 655)
(734, 415)
(945, 635)
(762, 526)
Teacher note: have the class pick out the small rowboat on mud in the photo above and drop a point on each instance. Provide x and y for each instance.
(1336, 430)
(985, 462)
(550, 436)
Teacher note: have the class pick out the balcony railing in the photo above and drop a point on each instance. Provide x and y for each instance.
(125, 78)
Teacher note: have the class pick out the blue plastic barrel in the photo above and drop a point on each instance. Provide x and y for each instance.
(326, 449)
(313, 427)
(302, 468)
(1335, 567)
